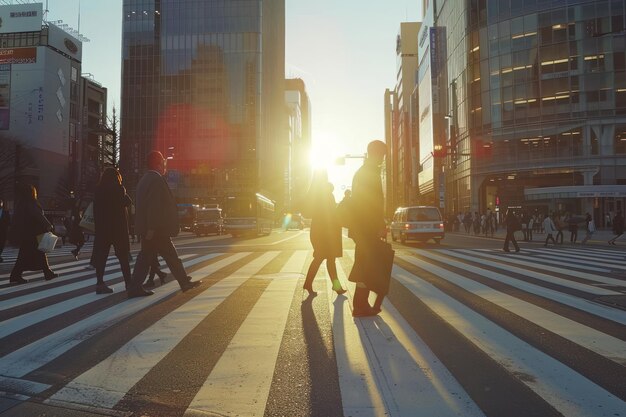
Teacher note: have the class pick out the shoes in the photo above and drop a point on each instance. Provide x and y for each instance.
(75, 254)
(189, 285)
(365, 311)
(310, 290)
(149, 283)
(517, 250)
(138, 293)
(506, 250)
(337, 287)
(162, 277)
(17, 280)
(341, 291)
(90, 267)
(103, 289)
(50, 276)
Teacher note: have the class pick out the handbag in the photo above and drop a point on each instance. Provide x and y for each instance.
(88, 222)
(47, 242)
(591, 227)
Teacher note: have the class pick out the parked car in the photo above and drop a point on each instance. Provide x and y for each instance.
(208, 221)
(419, 223)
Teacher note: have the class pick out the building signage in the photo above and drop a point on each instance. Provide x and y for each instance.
(601, 194)
(64, 42)
(18, 56)
(5, 96)
(21, 17)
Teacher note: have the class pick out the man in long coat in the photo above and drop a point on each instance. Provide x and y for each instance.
(368, 227)
(156, 221)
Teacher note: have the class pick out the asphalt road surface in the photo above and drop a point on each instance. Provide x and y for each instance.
(467, 330)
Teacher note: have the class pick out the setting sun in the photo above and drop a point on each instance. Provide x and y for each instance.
(324, 152)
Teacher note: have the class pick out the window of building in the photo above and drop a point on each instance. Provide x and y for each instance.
(619, 139)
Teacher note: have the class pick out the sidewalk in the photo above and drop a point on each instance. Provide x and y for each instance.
(600, 237)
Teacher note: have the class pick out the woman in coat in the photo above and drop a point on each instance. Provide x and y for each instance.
(29, 222)
(325, 233)
(110, 211)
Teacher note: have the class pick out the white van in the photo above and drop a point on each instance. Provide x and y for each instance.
(417, 223)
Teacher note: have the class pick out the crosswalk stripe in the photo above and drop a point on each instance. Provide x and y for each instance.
(62, 289)
(566, 390)
(408, 378)
(471, 256)
(30, 357)
(386, 365)
(558, 296)
(574, 260)
(106, 383)
(591, 253)
(23, 321)
(589, 338)
(239, 383)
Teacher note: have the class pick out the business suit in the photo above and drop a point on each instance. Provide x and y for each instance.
(156, 213)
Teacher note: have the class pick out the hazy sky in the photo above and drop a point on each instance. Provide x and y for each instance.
(344, 50)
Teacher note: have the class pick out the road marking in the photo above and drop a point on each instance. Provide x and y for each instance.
(580, 334)
(239, 384)
(37, 354)
(566, 390)
(105, 384)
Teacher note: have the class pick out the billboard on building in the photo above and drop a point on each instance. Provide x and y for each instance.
(18, 55)
(5, 96)
(21, 17)
(40, 102)
(64, 42)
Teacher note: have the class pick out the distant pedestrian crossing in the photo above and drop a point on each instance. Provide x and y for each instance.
(9, 254)
(463, 332)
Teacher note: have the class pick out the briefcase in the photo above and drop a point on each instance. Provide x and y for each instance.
(379, 276)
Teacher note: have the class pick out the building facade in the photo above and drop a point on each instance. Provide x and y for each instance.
(535, 105)
(203, 82)
(299, 107)
(39, 102)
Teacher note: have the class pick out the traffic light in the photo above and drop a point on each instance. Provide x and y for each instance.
(440, 151)
(481, 149)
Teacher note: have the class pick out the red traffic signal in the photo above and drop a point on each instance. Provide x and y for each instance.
(440, 151)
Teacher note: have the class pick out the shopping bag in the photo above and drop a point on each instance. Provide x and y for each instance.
(47, 242)
(88, 222)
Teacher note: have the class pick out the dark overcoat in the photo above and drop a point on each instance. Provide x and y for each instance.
(155, 207)
(110, 213)
(325, 228)
(369, 220)
(29, 222)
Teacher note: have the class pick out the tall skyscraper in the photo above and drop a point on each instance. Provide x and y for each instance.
(203, 82)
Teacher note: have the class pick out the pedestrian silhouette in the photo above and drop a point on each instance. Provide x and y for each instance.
(325, 232)
(29, 222)
(110, 212)
(512, 225)
(618, 227)
(156, 221)
(368, 228)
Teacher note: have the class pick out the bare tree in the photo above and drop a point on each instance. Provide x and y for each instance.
(110, 146)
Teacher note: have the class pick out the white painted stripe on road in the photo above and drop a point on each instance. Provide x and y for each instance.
(587, 252)
(239, 384)
(21, 322)
(570, 393)
(359, 394)
(541, 276)
(590, 261)
(35, 355)
(590, 307)
(541, 259)
(40, 295)
(105, 384)
(580, 334)
(409, 377)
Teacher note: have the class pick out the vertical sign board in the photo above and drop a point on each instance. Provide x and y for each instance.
(5, 96)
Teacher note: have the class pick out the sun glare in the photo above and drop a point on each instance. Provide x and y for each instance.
(323, 152)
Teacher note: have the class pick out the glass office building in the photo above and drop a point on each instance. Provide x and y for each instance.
(536, 104)
(202, 82)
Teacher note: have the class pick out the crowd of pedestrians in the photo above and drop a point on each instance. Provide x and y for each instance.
(157, 222)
